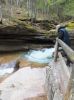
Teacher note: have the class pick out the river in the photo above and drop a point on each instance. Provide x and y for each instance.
(31, 58)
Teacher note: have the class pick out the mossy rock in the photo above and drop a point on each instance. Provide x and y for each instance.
(51, 33)
(70, 25)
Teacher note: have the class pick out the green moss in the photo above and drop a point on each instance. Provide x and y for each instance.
(70, 25)
(51, 33)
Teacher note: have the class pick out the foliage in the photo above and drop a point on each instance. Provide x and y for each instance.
(47, 9)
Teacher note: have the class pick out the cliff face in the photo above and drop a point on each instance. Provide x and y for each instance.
(24, 35)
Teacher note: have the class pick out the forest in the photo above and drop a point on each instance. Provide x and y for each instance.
(44, 9)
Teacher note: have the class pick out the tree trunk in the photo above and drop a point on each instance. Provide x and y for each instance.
(1, 17)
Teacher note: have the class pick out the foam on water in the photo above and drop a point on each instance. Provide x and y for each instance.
(40, 56)
(7, 68)
(6, 71)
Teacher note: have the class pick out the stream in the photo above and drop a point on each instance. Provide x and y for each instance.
(43, 56)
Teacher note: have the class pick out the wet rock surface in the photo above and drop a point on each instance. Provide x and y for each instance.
(26, 83)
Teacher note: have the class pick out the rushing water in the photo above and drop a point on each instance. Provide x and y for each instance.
(7, 68)
(38, 56)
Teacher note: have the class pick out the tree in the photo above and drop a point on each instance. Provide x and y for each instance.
(1, 16)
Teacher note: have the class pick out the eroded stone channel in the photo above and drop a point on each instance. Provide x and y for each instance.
(29, 77)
